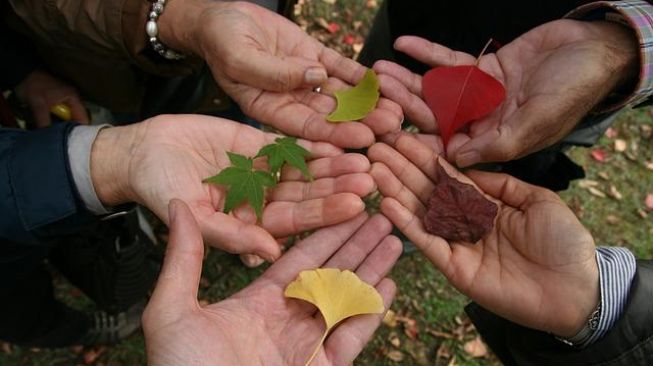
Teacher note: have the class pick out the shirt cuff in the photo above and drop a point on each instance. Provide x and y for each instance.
(637, 15)
(617, 268)
(80, 143)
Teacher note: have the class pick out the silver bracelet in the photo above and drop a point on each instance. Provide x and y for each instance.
(152, 30)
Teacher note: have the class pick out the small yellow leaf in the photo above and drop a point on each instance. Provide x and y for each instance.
(356, 103)
(338, 294)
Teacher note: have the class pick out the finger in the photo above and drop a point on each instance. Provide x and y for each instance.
(360, 184)
(290, 218)
(180, 274)
(411, 81)
(77, 110)
(391, 186)
(329, 167)
(531, 128)
(361, 244)
(281, 74)
(235, 236)
(415, 108)
(349, 338)
(434, 248)
(508, 189)
(343, 68)
(378, 264)
(432, 141)
(313, 251)
(410, 175)
(420, 155)
(431, 53)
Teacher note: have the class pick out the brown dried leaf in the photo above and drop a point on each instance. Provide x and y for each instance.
(395, 356)
(620, 145)
(612, 219)
(587, 183)
(458, 211)
(614, 193)
(596, 192)
(390, 319)
(394, 340)
(476, 348)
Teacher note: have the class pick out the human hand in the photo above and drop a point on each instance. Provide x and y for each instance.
(270, 66)
(554, 75)
(168, 157)
(536, 268)
(40, 91)
(258, 325)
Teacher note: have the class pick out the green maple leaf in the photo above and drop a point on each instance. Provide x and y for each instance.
(244, 183)
(286, 150)
(356, 103)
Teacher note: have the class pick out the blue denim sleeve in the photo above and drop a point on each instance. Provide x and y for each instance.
(38, 199)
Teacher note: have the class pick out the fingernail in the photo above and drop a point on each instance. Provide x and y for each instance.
(467, 159)
(315, 76)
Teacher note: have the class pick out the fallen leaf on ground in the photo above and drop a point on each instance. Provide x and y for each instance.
(439, 334)
(356, 103)
(411, 330)
(337, 294)
(395, 356)
(476, 348)
(394, 340)
(612, 219)
(649, 165)
(614, 193)
(611, 133)
(587, 183)
(620, 145)
(390, 319)
(649, 201)
(596, 192)
(92, 355)
(642, 213)
(598, 155)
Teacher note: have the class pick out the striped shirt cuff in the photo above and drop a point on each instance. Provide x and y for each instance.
(617, 268)
(638, 15)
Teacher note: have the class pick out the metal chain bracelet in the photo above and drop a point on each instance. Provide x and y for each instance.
(152, 30)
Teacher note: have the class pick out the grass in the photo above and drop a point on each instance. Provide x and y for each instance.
(429, 327)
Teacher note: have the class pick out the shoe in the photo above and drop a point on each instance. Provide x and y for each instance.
(107, 329)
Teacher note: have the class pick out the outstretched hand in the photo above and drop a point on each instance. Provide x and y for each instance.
(270, 66)
(258, 325)
(168, 157)
(537, 257)
(554, 75)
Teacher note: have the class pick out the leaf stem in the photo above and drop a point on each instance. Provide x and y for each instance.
(317, 349)
(478, 59)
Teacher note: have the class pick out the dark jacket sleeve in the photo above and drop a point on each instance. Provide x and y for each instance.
(18, 59)
(628, 343)
(38, 199)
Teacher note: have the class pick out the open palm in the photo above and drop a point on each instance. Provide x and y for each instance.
(537, 257)
(259, 325)
(553, 75)
(169, 156)
(261, 59)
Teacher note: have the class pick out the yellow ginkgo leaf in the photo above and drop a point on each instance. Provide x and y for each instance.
(337, 294)
(356, 103)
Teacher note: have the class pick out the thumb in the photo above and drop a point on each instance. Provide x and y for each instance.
(496, 145)
(182, 267)
(280, 74)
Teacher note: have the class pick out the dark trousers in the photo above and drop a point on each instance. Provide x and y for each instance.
(467, 26)
(107, 261)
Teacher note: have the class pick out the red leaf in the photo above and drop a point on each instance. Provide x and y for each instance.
(333, 27)
(349, 39)
(460, 94)
(598, 155)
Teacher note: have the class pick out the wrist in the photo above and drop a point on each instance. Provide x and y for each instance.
(583, 306)
(110, 161)
(179, 24)
(621, 49)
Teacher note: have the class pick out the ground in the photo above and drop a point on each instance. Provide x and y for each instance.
(428, 326)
